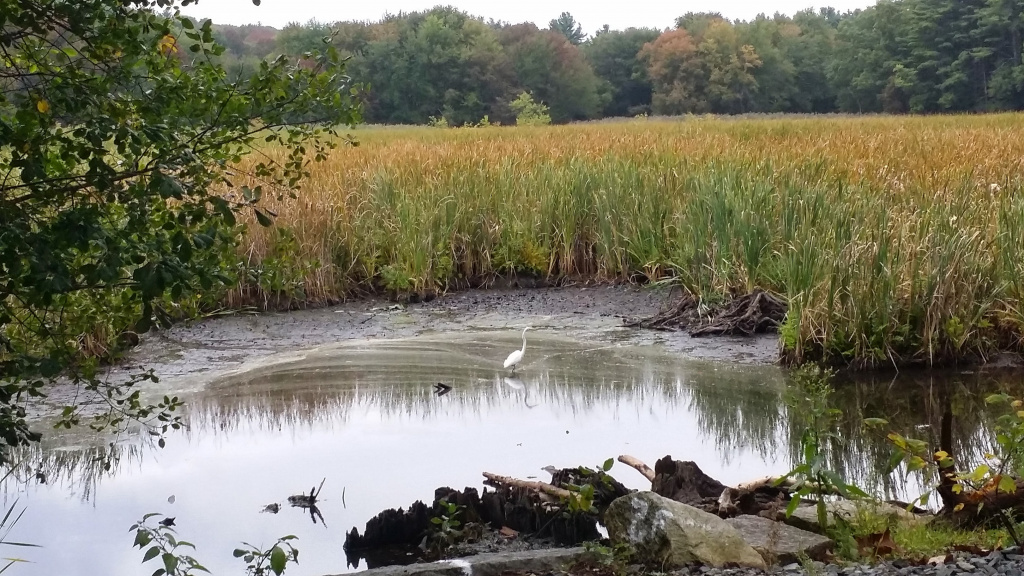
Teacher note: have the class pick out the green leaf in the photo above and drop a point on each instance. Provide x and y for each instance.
(980, 472)
(150, 554)
(278, 559)
(263, 219)
(1006, 484)
(608, 464)
(895, 459)
(856, 491)
(822, 514)
(793, 504)
(238, 553)
(170, 562)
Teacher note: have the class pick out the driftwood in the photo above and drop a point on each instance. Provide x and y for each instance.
(640, 466)
(541, 487)
(754, 313)
(606, 488)
(519, 506)
(686, 482)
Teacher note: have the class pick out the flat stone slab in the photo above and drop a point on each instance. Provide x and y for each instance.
(779, 543)
(537, 561)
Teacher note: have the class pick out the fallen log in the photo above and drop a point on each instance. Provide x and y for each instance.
(526, 507)
(638, 465)
(982, 506)
(780, 482)
(541, 487)
(988, 504)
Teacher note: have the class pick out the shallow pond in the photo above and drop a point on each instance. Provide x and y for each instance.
(364, 418)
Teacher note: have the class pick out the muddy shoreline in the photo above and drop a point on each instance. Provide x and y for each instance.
(199, 350)
(188, 356)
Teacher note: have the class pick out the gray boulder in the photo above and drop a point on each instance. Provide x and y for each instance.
(779, 543)
(806, 517)
(670, 535)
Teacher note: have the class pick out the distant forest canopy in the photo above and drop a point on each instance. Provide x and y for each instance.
(899, 56)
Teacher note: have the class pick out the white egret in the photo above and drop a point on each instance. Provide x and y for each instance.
(516, 357)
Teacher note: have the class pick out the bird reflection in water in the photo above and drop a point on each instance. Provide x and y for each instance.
(517, 384)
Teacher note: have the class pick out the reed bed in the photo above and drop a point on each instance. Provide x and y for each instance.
(895, 240)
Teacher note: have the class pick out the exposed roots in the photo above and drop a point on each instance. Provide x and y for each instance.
(755, 313)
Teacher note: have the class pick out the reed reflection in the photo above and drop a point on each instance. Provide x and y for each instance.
(740, 412)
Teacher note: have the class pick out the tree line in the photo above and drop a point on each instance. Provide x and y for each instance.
(899, 56)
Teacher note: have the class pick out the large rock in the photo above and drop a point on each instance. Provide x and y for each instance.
(806, 517)
(670, 534)
(779, 543)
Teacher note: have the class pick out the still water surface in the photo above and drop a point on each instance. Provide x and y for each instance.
(364, 417)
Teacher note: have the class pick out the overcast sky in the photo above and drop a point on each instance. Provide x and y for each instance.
(590, 13)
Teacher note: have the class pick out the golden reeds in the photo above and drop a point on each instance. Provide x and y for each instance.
(895, 240)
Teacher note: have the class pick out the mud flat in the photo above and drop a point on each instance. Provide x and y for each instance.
(199, 351)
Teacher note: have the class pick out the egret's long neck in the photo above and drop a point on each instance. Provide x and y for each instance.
(523, 349)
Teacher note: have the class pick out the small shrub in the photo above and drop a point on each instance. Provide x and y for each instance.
(530, 112)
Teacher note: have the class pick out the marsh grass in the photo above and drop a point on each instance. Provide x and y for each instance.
(895, 240)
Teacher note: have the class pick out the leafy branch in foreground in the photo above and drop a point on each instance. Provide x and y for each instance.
(163, 544)
(811, 392)
(976, 492)
(119, 138)
(160, 541)
(274, 560)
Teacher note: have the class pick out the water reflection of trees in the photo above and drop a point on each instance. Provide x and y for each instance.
(739, 409)
(913, 404)
(745, 413)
